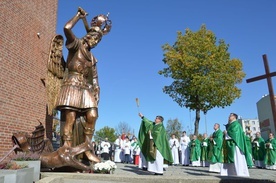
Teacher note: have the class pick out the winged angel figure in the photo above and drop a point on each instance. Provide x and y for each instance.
(73, 88)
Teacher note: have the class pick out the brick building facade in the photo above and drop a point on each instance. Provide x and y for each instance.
(23, 59)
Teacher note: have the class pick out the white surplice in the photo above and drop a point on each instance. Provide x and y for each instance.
(238, 168)
(126, 147)
(105, 146)
(157, 165)
(142, 161)
(259, 163)
(174, 145)
(215, 167)
(184, 142)
(118, 151)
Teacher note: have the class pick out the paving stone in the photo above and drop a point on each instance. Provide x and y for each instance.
(172, 174)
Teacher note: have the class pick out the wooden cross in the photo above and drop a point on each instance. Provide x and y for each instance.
(267, 76)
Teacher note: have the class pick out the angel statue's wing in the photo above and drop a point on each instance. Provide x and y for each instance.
(55, 71)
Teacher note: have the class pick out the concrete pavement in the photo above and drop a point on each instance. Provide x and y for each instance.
(175, 174)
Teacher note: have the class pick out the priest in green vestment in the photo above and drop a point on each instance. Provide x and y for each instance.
(236, 149)
(215, 149)
(154, 144)
(270, 157)
(258, 150)
(204, 151)
(249, 147)
(195, 151)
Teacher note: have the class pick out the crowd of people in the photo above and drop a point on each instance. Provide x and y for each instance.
(229, 152)
(125, 149)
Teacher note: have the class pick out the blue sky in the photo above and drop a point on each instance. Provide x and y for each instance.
(130, 56)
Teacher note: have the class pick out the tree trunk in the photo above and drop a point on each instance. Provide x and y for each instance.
(197, 122)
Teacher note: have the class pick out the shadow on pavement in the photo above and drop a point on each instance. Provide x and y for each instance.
(242, 180)
(136, 170)
(198, 170)
(224, 179)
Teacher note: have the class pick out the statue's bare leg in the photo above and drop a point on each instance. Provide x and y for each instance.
(68, 128)
(91, 117)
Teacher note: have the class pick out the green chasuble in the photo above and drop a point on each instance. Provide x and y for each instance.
(194, 149)
(234, 130)
(215, 147)
(204, 149)
(160, 140)
(249, 147)
(258, 151)
(134, 145)
(248, 143)
(270, 157)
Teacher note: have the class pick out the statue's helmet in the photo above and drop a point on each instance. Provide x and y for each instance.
(103, 22)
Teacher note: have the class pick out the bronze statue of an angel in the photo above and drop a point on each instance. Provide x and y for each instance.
(73, 87)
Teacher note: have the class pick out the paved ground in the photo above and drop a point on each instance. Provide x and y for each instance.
(176, 174)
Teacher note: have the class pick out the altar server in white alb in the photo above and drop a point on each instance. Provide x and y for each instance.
(105, 145)
(135, 151)
(185, 155)
(174, 145)
(118, 151)
(126, 148)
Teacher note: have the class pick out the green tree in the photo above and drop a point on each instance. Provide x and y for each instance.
(105, 132)
(174, 127)
(204, 76)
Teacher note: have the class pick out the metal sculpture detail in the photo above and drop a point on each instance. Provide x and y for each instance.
(73, 89)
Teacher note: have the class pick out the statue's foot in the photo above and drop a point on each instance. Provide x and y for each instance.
(92, 157)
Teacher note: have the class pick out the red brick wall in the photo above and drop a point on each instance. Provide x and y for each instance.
(23, 58)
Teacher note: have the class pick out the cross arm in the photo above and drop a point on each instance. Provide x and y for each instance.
(261, 77)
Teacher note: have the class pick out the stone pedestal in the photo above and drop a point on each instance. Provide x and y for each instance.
(36, 164)
(23, 175)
